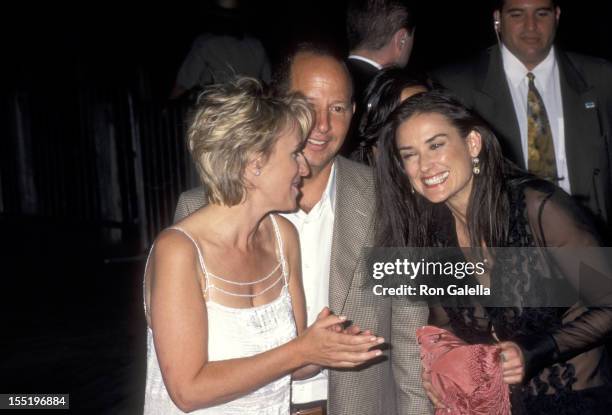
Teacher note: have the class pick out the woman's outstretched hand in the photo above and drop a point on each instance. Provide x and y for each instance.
(513, 363)
(325, 343)
(340, 328)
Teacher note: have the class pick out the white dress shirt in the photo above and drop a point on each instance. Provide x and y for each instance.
(366, 60)
(549, 86)
(315, 230)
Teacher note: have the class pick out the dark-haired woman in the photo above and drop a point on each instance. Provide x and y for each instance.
(389, 88)
(442, 181)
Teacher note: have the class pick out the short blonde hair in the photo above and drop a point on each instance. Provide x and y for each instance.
(233, 121)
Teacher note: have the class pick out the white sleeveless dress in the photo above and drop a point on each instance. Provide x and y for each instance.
(235, 333)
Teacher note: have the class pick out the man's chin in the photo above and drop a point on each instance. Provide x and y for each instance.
(318, 164)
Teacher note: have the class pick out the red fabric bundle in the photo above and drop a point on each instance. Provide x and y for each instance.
(467, 377)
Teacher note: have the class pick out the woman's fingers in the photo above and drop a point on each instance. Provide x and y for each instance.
(433, 397)
(359, 357)
(513, 363)
(348, 360)
(354, 349)
(336, 323)
(359, 339)
(325, 311)
(350, 343)
(513, 380)
(353, 329)
(431, 394)
(351, 359)
(328, 321)
(329, 344)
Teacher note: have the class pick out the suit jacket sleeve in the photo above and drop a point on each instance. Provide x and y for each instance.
(182, 209)
(405, 357)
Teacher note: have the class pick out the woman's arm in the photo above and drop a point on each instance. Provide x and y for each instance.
(558, 223)
(179, 325)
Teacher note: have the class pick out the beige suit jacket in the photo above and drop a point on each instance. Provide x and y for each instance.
(393, 384)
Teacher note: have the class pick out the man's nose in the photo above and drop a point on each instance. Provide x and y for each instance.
(530, 22)
(322, 121)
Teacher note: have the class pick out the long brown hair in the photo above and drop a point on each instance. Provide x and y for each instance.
(405, 218)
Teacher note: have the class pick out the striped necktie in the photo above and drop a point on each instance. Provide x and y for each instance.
(541, 150)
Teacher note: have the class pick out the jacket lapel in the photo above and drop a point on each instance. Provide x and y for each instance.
(495, 104)
(352, 226)
(581, 124)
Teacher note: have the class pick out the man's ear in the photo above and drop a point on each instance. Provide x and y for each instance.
(496, 20)
(400, 38)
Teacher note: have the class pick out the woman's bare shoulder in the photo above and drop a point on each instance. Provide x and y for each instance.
(288, 232)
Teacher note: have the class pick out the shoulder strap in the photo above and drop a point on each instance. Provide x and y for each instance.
(144, 283)
(279, 242)
(204, 282)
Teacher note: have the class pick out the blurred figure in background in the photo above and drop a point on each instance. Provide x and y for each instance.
(380, 34)
(225, 51)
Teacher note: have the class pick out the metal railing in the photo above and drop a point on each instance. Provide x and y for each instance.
(105, 156)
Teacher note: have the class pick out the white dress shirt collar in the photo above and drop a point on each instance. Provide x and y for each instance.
(366, 60)
(330, 190)
(516, 72)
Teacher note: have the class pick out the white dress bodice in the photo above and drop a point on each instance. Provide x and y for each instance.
(235, 333)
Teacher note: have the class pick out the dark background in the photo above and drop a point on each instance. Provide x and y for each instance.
(83, 99)
(44, 42)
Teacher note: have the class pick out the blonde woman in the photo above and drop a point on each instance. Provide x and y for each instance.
(223, 292)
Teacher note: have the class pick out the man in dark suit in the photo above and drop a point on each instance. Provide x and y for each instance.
(380, 34)
(573, 92)
(335, 221)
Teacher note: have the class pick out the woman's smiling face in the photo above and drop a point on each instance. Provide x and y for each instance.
(436, 158)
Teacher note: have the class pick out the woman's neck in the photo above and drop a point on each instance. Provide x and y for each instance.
(459, 214)
(461, 226)
(235, 226)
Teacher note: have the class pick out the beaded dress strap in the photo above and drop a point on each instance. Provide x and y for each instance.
(210, 276)
(281, 249)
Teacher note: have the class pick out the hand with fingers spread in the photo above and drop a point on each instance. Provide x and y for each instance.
(325, 343)
(342, 328)
(513, 363)
(355, 329)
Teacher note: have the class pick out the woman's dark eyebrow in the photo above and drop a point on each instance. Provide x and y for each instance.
(429, 140)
